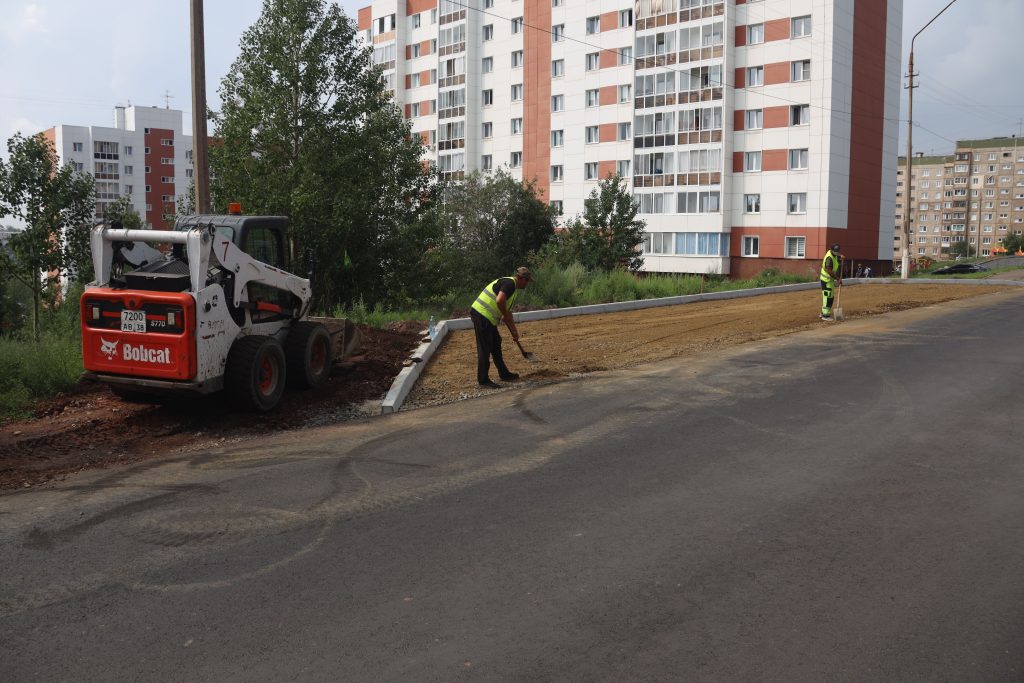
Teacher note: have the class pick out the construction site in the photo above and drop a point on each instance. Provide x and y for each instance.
(92, 428)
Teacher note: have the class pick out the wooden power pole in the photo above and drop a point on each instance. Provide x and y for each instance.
(200, 159)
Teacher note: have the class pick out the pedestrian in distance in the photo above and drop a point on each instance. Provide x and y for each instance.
(860, 271)
(493, 305)
(831, 274)
(867, 271)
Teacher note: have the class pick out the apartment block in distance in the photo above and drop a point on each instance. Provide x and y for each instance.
(753, 133)
(145, 156)
(975, 195)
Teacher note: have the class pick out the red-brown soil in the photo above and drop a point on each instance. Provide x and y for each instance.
(91, 427)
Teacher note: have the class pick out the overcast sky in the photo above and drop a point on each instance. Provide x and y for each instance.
(71, 61)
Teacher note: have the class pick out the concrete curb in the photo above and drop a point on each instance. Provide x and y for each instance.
(406, 379)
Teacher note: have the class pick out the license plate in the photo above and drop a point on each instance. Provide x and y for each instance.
(133, 321)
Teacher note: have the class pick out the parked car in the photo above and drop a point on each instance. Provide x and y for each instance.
(960, 268)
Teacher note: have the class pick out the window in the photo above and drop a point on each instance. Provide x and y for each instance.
(755, 34)
(625, 56)
(622, 168)
(800, 115)
(487, 129)
(558, 103)
(516, 159)
(557, 33)
(801, 27)
(488, 4)
(801, 70)
(797, 202)
(129, 170)
(751, 246)
(795, 247)
(487, 66)
(517, 25)
(145, 150)
(592, 135)
(79, 166)
(517, 92)
(557, 138)
(517, 126)
(557, 68)
(625, 130)
(557, 173)
(593, 97)
(625, 18)
(414, 111)
(593, 61)
(76, 146)
(129, 189)
(556, 204)
(416, 21)
(166, 142)
(752, 161)
(590, 170)
(625, 93)
(753, 119)
(488, 97)
(751, 203)
(593, 25)
(128, 151)
(486, 162)
(798, 159)
(489, 32)
(755, 76)
(146, 169)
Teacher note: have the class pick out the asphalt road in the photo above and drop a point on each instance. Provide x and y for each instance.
(840, 505)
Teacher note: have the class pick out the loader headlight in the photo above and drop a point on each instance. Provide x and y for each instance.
(95, 312)
(170, 318)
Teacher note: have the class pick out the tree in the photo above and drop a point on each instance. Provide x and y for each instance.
(608, 233)
(962, 249)
(308, 130)
(56, 205)
(122, 211)
(1013, 243)
(491, 224)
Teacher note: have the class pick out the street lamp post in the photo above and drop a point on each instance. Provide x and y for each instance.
(910, 136)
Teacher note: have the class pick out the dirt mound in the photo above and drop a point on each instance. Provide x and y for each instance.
(90, 427)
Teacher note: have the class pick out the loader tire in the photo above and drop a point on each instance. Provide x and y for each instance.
(256, 373)
(308, 350)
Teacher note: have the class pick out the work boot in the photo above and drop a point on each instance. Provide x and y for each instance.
(488, 384)
(827, 318)
(510, 377)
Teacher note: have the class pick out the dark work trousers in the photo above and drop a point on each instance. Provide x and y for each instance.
(488, 344)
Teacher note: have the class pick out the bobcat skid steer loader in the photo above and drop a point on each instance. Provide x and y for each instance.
(217, 310)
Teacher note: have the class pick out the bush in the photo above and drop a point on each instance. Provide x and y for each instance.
(32, 370)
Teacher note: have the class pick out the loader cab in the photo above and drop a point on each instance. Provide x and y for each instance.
(262, 237)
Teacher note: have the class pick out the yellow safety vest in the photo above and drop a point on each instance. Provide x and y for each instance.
(825, 277)
(486, 303)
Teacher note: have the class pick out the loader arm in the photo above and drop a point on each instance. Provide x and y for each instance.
(246, 269)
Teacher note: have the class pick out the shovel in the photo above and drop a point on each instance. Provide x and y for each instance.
(838, 308)
(526, 354)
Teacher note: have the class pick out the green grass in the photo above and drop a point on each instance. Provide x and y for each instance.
(557, 287)
(31, 370)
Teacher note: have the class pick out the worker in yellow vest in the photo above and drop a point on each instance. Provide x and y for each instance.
(831, 273)
(493, 305)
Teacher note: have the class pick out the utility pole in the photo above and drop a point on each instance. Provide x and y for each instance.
(910, 136)
(200, 161)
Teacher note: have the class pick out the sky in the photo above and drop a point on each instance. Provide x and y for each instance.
(71, 62)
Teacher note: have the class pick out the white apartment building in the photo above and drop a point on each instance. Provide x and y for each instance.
(753, 133)
(145, 156)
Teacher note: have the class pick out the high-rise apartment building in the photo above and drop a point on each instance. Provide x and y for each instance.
(145, 156)
(753, 133)
(975, 195)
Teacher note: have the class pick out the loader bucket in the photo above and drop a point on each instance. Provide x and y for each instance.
(346, 340)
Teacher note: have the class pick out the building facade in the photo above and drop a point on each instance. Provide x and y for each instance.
(975, 195)
(145, 156)
(753, 133)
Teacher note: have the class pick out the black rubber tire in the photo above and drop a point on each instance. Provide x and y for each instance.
(309, 353)
(256, 373)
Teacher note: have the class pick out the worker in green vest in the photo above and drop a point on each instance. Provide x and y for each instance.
(831, 273)
(493, 305)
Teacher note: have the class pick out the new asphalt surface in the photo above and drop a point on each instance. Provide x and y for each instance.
(845, 504)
